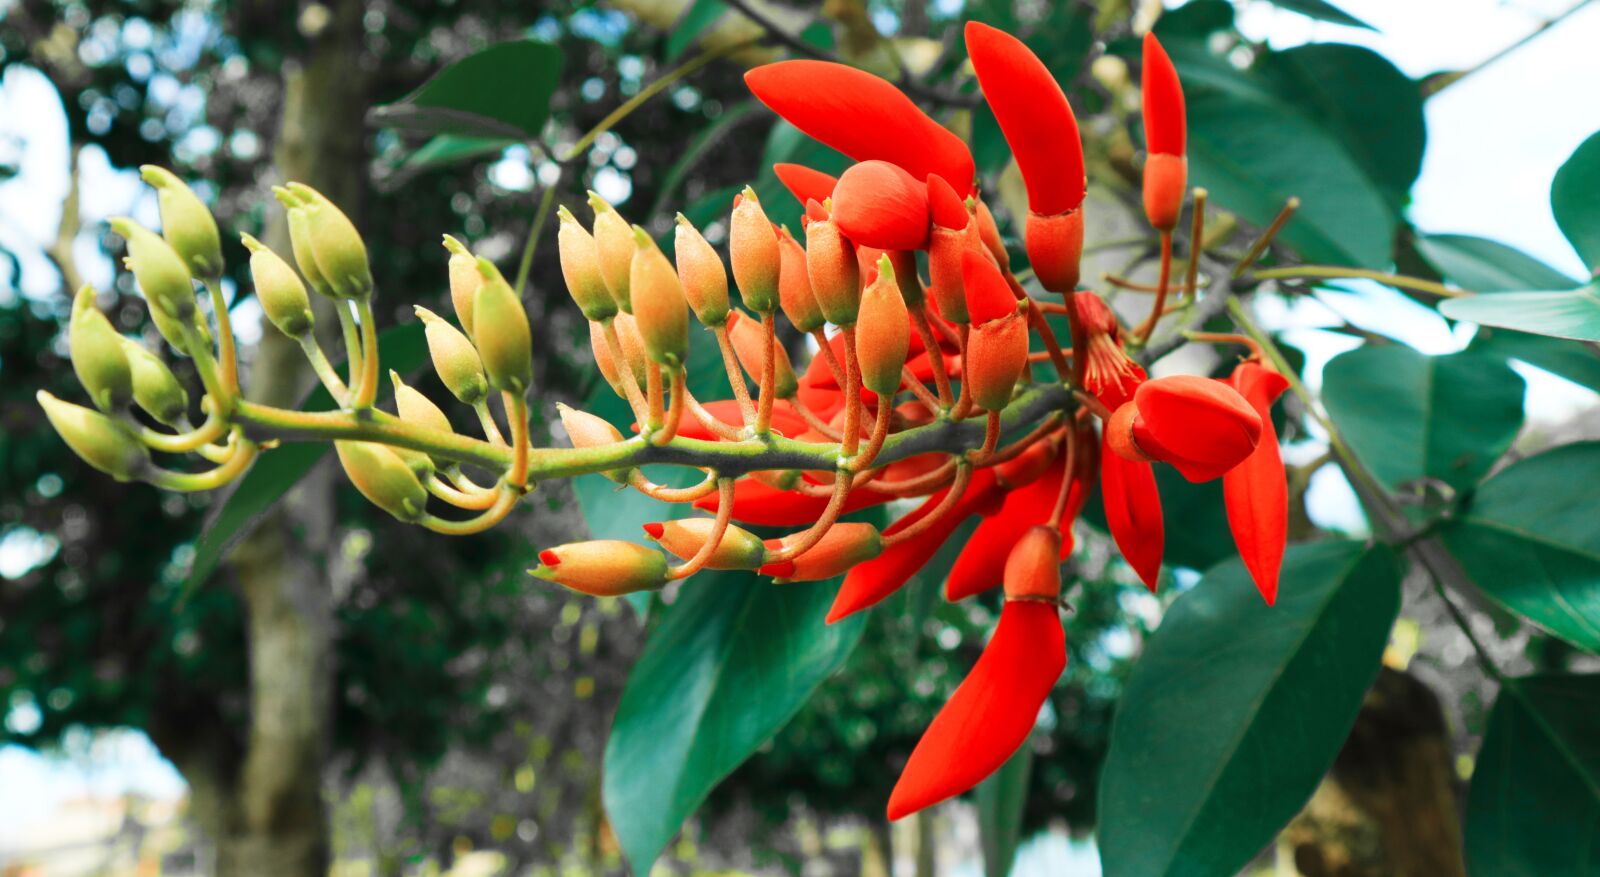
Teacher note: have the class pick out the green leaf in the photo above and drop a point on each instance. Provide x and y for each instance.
(1534, 805)
(1568, 359)
(1573, 314)
(1575, 203)
(1000, 800)
(1236, 709)
(1322, 10)
(402, 348)
(1410, 416)
(731, 662)
(1531, 541)
(500, 92)
(692, 24)
(447, 149)
(1196, 19)
(1482, 265)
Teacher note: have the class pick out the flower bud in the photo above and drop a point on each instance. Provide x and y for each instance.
(658, 303)
(464, 280)
(843, 546)
(186, 223)
(945, 250)
(580, 267)
(738, 549)
(748, 336)
(794, 286)
(155, 387)
(503, 337)
(883, 335)
(162, 275)
(989, 233)
(753, 249)
(701, 273)
(997, 355)
(835, 278)
(632, 351)
(591, 431)
(1166, 178)
(415, 408)
(454, 358)
(1055, 247)
(100, 441)
(384, 478)
(988, 295)
(1033, 569)
(614, 245)
(340, 254)
(171, 330)
(603, 568)
(283, 297)
(300, 240)
(97, 355)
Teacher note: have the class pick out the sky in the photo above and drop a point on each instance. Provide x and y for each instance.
(1495, 140)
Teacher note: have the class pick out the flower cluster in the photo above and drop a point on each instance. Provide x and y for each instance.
(924, 391)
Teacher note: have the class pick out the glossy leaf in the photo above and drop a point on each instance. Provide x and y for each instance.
(1573, 200)
(1531, 541)
(1322, 10)
(503, 92)
(730, 663)
(1573, 314)
(1236, 709)
(401, 348)
(1482, 265)
(1534, 803)
(1409, 416)
(1000, 801)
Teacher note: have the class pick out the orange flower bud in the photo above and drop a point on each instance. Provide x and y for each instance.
(738, 548)
(415, 408)
(97, 354)
(384, 478)
(632, 351)
(590, 431)
(844, 546)
(100, 441)
(504, 339)
(953, 233)
(454, 358)
(658, 303)
(1165, 132)
(1033, 569)
(603, 568)
(753, 248)
(580, 267)
(614, 244)
(878, 204)
(883, 335)
(1166, 178)
(464, 280)
(835, 278)
(1202, 427)
(701, 273)
(1055, 247)
(794, 286)
(748, 338)
(997, 355)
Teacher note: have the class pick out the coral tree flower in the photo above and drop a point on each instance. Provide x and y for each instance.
(1256, 492)
(878, 204)
(1166, 169)
(1200, 426)
(805, 184)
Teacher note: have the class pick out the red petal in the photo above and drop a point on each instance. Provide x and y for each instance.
(988, 295)
(992, 711)
(1164, 125)
(1034, 116)
(1133, 513)
(766, 506)
(1203, 427)
(784, 419)
(877, 204)
(947, 208)
(863, 116)
(804, 183)
(1256, 491)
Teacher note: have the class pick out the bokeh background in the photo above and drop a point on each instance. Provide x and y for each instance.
(467, 708)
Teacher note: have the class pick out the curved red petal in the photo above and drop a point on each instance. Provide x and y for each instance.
(863, 116)
(804, 183)
(1165, 130)
(988, 295)
(1034, 116)
(878, 204)
(1133, 513)
(947, 208)
(1256, 492)
(1201, 426)
(992, 711)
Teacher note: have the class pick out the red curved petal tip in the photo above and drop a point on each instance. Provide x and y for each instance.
(549, 558)
(1034, 116)
(877, 204)
(815, 212)
(946, 207)
(1133, 513)
(654, 530)
(805, 184)
(988, 295)
(1165, 129)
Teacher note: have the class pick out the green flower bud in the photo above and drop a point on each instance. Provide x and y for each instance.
(172, 330)
(464, 280)
(100, 441)
(97, 356)
(417, 409)
(383, 478)
(454, 358)
(337, 247)
(580, 267)
(700, 271)
(592, 431)
(659, 305)
(613, 240)
(504, 339)
(155, 387)
(283, 297)
(300, 244)
(186, 223)
(162, 275)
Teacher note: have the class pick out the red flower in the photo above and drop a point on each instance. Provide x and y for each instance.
(877, 204)
(1034, 116)
(1200, 426)
(804, 183)
(1133, 513)
(1256, 492)
(1165, 130)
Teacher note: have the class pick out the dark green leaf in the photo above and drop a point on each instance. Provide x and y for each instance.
(1409, 416)
(1531, 541)
(730, 663)
(1534, 804)
(1575, 203)
(1197, 19)
(1236, 709)
(1573, 360)
(401, 348)
(695, 21)
(1323, 10)
(1573, 314)
(501, 92)
(447, 149)
(1482, 265)
(1000, 800)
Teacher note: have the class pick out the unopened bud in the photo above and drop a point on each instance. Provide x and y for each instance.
(603, 568)
(632, 351)
(580, 268)
(301, 245)
(794, 287)
(844, 546)
(336, 245)
(883, 333)
(748, 337)
(590, 431)
(835, 278)
(454, 358)
(384, 478)
(753, 249)
(658, 303)
(163, 277)
(464, 280)
(415, 408)
(997, 355)
(614, 244)
(279, 289)
(737, 549)
(505, 342)
(186, 223)
(1033, 568)
(1166, 176)
(97, 355)
(988, 295)
(700, 271)
(1055, 248)
(155, 387)
(171, 330)
(100, 441)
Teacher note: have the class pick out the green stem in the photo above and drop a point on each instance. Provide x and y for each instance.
(326, 373)
(1334, 272)
(352, 346)
(226, 351)
(368, 391)
(546, 201)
